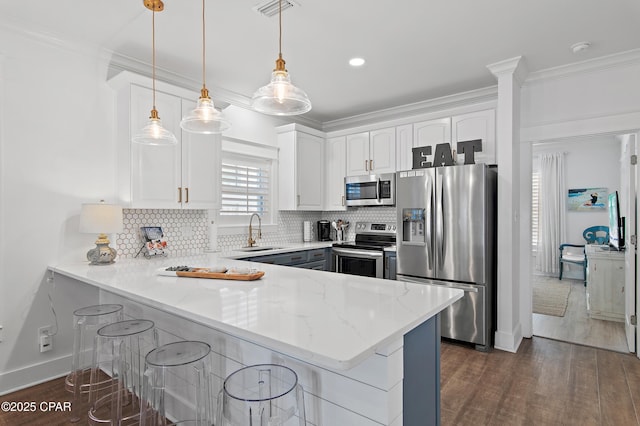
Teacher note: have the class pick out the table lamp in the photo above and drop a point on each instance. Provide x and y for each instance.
(101, 218)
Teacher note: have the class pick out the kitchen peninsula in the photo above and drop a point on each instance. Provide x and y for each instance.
(366, 350)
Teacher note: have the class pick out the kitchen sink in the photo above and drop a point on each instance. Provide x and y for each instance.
(258, 248)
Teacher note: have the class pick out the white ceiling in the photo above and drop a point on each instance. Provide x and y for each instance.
(415, 49)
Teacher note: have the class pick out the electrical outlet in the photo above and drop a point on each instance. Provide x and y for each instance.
(45, 338)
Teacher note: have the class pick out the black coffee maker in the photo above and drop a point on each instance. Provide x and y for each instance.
(324, 230)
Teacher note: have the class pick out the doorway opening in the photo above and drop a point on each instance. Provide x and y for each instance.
(564, 309)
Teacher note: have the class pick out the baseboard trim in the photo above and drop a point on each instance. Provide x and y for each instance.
(509, 342)
(34, 374)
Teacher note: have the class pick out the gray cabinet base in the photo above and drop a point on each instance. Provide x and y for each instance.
(421, 383)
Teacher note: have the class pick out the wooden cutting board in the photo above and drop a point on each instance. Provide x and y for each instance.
(220, 276)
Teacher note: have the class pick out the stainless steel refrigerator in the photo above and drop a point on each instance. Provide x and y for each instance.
(447, 236)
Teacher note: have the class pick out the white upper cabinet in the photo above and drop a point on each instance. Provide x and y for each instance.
(201, 167)
(336, 166)
(371, 152)
(404, 143)
(382, 146)
(472, 126)
(432, 132)
(358, 156)
(154, 172)
(424, 133)
(182, 176)
(300, 169)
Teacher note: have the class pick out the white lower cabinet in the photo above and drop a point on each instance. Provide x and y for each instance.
(300, 168)
(605, 283)
(183, 176)
(336, 166)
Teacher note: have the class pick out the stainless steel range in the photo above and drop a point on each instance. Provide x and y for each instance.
(365, 255)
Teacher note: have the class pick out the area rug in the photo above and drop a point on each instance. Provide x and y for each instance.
(550, 297)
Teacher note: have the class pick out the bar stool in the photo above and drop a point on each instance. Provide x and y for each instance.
(177, 385)
(86, 321)
(263, 394)
(119, 349)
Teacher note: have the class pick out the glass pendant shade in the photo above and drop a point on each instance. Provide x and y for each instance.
(280, 97)
(154, 134)
(204, 118)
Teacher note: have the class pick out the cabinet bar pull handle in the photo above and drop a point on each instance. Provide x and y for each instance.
(187, 191)
(343, 200)
(371, 165)
(296, 258)
(366, 165)
(179, 194)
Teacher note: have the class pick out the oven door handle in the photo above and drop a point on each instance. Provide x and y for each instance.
(368, 254)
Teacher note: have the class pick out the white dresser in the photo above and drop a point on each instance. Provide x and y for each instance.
(605, 283)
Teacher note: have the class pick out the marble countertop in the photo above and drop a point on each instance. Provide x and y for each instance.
(324, 318)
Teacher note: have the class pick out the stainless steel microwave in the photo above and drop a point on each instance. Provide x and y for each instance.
(371, 190)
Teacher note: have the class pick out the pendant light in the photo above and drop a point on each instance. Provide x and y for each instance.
(204, 118)
(280, 97)
(153, 133)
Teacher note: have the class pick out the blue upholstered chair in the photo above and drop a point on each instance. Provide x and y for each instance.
(592, 235)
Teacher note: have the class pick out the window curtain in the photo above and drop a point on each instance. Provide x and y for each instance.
(552, 212)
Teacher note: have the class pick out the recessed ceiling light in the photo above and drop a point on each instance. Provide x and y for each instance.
(580, 47)
(356, 62)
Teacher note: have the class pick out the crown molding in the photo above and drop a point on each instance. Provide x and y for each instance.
(596, 64)
(417, 108)
(84, 48)
(513, 66)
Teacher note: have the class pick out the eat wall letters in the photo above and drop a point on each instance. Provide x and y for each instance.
(443, 155)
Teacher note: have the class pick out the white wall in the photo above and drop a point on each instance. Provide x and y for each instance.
(57, 152)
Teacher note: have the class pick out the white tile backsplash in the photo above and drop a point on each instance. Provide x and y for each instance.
(187, 230)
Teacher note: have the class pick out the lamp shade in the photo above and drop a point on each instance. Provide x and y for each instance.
(204, 119)
(100, 218)
(280, 97)
(154, 134)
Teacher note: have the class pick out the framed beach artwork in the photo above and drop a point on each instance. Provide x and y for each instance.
(587, 199)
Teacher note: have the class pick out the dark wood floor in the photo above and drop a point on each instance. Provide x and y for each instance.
(546, 383)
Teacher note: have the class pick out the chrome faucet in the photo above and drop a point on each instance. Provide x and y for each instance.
(251, 241)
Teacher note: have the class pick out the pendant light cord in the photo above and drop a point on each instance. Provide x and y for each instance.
(153, 54)
(280, 25)
(203, 48)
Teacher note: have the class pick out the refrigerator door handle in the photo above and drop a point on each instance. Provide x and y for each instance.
(440, 231)
(429, 224)
(467, 288)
